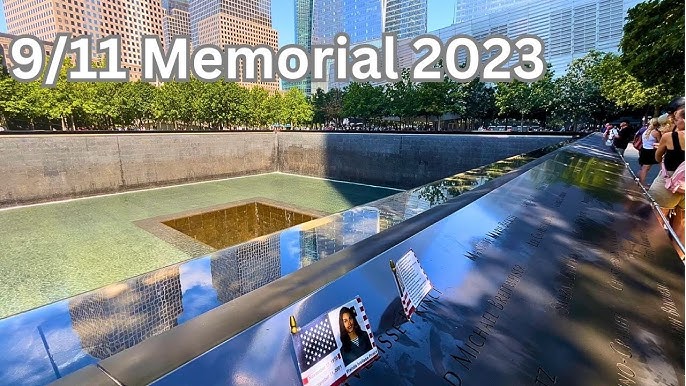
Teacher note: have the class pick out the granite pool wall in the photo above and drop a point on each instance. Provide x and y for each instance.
(47, 167)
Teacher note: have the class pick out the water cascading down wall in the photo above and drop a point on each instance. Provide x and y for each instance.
(47, 167)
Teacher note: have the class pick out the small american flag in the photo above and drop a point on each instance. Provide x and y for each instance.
(314, 342)
(408, 307)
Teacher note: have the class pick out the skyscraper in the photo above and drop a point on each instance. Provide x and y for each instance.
(129, 19)
(303, 38)
(568, 28)
(406, 18)
(176, 20)
(234, 22)
(363, 20)
(303, 23)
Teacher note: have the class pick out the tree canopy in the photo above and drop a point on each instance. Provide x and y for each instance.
(653, 44)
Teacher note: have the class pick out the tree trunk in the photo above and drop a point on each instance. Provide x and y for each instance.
(521, 126)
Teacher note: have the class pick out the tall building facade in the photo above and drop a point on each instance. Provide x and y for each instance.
(303, 38)
(405, 18)
(568, 28)
(364, 21)
(176, 20)
(218, 22)
(129, 19)
(6, 40)
(234, 22)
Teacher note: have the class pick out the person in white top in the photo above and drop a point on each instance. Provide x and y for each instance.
(646, 156)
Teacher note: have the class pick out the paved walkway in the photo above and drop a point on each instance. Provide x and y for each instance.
(631, 156)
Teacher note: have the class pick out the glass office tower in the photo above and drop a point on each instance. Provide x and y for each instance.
(406, 18)
(176, 20)
(568, 28)
(363, 20)
(303, 38)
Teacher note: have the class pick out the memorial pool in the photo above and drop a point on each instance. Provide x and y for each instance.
(55, 340)
(56, 250)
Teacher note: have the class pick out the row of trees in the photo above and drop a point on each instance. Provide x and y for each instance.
(596, 87)
(593, 88)
(178, 105)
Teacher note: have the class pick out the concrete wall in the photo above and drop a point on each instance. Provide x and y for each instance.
(36, 168)
(401, 161)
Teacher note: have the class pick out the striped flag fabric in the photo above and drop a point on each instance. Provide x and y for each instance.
(412, 282)
(314, 342)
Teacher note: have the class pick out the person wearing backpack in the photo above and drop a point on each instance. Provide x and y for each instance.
(649, 140)
(665, 189)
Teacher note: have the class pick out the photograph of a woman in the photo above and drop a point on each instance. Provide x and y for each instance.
(355, 341)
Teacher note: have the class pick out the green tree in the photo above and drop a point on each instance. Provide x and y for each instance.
(400, 97)
(362, 100)
(58, 102)
(257, 107)
(543, 94)
(579, 96)
(333, 106)
(319, 105)
(653, 44)
(480, 104)
(297, 109)
(624, 89)
(513, 99)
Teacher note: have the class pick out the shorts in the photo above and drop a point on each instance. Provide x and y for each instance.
(647, 157)
(663, 197)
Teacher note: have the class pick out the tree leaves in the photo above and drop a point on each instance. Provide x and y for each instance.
(653, 44)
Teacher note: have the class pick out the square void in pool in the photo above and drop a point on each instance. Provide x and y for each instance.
(216, 228)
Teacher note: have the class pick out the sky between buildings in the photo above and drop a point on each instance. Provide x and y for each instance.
(440, 14)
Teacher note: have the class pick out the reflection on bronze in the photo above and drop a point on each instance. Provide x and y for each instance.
(332, 234)
(122, 315)
(237, 224)
(246, 267)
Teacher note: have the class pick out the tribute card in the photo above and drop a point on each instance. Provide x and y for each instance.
(412, 282)
(335, 345)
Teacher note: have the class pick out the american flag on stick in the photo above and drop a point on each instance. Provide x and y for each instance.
(408, 268)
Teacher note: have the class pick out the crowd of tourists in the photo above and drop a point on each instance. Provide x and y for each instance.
(659, 142)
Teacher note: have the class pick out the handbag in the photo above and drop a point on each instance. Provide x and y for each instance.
(676, 182)
(638, 141)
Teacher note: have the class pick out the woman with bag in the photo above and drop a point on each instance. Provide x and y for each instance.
(670, 152)
(646, 155)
